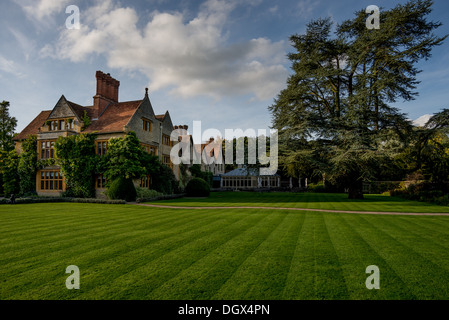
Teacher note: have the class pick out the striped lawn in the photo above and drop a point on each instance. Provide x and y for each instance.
(132, 252)
(309, 200)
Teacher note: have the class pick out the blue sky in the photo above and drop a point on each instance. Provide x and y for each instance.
(219, 61)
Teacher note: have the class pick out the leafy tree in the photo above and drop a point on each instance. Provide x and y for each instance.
(342, 84)
(8, 169)
(27, 165)
(126, 158)
(78, 161)
(196, 172)
(7, 126)
(428, 152)
(435, 155)
(165, 181)
(249, 146)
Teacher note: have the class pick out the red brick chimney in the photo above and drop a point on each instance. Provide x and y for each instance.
(107, 92)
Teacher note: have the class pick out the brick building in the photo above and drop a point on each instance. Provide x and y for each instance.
(106, 118)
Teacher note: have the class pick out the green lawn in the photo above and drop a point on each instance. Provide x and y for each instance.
(133, 252)
(325, 201)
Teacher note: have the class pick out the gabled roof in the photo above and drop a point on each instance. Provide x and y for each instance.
(33, 127)
(114, 118)
(163, 117)
(79, 110)
(65, 108)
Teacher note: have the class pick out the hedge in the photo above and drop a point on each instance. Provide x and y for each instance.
(73, 200)
(163, 197)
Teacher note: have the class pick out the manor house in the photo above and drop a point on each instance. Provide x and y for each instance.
(106, 118)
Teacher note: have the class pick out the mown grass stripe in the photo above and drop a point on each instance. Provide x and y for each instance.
(53, 213)
(417, 272)
(171, 262)
(375, 203)
(263, 269)
(437, 226)
(203, 278)
(131, 252)
(301, 279)
(355, 255)
(74, 215)
(428, 236)
(431, 253)
(81, 223)
(87, 260)
(67, 240)
(116, 246)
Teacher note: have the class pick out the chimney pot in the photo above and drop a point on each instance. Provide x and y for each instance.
(107, 92)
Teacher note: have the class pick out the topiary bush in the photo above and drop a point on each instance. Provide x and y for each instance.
(197, 187)
(122, 189)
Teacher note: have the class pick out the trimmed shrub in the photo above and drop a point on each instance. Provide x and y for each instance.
(122, 189)
(197, 187)
(143, 193)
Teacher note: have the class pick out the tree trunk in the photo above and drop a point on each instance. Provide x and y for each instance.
(355, 191)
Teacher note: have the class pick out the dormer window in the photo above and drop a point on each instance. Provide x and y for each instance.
(147, 125)
(60, 125)
(69, 123)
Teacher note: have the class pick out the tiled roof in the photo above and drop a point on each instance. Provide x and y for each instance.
(160, 117)
(114, 118)
(79, 110)
(33, 127)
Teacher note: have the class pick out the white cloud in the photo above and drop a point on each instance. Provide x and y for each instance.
(306, 7)
(189, 57)
(273, 9)
(9, 66)
(421, 121)
(27, 46)
(39, 11)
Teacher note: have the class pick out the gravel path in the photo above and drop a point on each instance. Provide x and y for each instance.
(299, 209)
